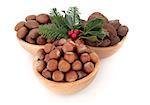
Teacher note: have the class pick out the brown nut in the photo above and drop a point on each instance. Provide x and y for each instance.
(59, 48)
(94, 57)
(19, 25)
(40, 54)
(114, 39)
(97, 15)
(48, 47)
(83, 22)
(30, 17)
(85, 57)
(88, 67)
(123, 30)
(71, 76)
(106, 42)
(115, 23)
(79, 41)
(70, 57)
(42, 18)
(63, 66)
(58, 76)
(47, 74)
(39, 65)
(34, 33)
(46, 59)
(82, 48)
(62, 41)
(110, 29)
(52, 65)
(41, 40)
(54, 54)
(30, 40)
(22, 32)
(68, 47)
(81, 74)
(32, 24)
(77, 65)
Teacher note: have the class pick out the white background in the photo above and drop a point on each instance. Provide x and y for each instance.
(123, 79)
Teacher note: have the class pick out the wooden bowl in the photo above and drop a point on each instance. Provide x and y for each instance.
(31, 48)
(67, 87)
(104, 52)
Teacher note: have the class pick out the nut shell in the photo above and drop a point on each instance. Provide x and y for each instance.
(71, 76)
(63, 66)
(58, 76)
(52, 65)
(19, 25)
(22, 32)
(42, 18)
(88, 67)
(32, 24)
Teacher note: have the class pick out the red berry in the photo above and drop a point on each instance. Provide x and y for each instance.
(74, 35)
(70, 32)
(77, 31)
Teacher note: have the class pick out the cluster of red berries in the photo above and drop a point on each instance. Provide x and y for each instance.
(74, 33)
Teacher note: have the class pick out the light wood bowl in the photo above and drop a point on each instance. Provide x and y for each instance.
(105, 52)
(67, 87)
(31, 48)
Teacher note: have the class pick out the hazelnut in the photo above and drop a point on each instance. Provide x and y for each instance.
(63, 66)
(29, 39)
(106, 42)
(46, 59)
(56, 42)
(34, 33)
(62, 41)
(54, 54)
(48, 47)
(70, 57)
(97, 15)
(47, 74)
(40, 54)
(22, 32)
(39, 65)
(71, 76)
(82, 49)
(32, 24)
(85, 57)
(81, 74)
(88, 67)
(59, 48)
(42, 18)
(30, 17)
(94, 57)
(52, 65)
(79, 41)
(69, 46)
(115, 23)
(19, 25)
(77, 65)
(123, 30)
(41, 40)
(58, 76)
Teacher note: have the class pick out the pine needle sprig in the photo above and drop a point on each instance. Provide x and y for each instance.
(52, 32)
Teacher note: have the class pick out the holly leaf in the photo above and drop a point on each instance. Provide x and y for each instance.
(90, 38)
(100, 33)
(96, 23)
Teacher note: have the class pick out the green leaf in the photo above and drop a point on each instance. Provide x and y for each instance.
(96, 23)
(90, 38)
(69, 21)
(52, 32)
(100, 33)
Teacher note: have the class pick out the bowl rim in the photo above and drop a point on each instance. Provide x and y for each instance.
(97, 65)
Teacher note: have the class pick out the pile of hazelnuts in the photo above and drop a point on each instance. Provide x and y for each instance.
(28, 29)
(65, 60)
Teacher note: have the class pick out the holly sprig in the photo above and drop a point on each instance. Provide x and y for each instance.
(69, 25)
